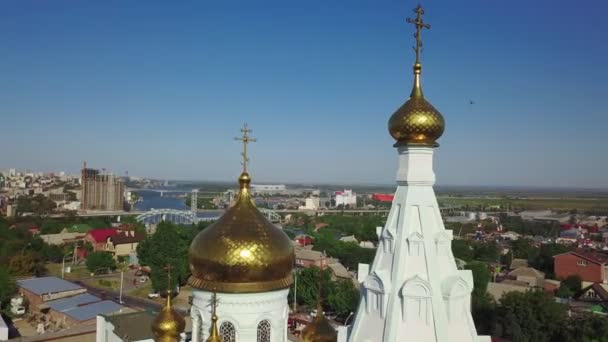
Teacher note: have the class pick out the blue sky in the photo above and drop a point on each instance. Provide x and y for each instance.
(160, 88)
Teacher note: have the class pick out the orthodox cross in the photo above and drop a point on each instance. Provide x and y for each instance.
(419, 26)
(246, 139)
(168, 268)
(213, 302)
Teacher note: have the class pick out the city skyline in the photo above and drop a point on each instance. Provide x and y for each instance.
(160, 90)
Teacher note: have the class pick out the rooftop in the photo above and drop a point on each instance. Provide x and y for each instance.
(593, 256)
(44, 285)
(89, 311)
(65, 304)
(134, 326)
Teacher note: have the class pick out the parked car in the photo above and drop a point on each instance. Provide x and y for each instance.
(154, 295)
(313, 313)
(19, 310)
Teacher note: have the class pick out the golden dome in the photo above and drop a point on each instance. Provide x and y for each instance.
(416, 122)
(319, 330)
(242, 251)
(168, 325)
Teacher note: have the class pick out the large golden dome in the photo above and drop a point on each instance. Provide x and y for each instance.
(416, 122)
(168, 325)
(242, 251)
(319, 330)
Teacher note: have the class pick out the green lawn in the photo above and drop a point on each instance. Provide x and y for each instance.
(77, 272)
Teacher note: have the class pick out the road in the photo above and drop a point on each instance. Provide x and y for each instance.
(130, 301)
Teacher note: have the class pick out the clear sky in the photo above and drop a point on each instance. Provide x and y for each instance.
(160, 88)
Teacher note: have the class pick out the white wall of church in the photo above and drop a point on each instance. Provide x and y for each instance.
(245, 311)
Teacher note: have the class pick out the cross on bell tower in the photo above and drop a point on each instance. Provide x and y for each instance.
(246, 139)
(419, 26)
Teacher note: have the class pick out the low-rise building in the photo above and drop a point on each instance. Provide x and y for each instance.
(124, 242)
(529, 275)
(306, 257)
(346, 198)
(80, 308)
(40, 290)
(99, 237)
(497, 290)
(134, 327)
(588, 265)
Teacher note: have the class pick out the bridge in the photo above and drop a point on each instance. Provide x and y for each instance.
(156, 216)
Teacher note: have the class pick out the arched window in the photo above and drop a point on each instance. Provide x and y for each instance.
(264, 331)
(227, 332)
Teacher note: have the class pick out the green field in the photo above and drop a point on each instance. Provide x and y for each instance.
(558, 204)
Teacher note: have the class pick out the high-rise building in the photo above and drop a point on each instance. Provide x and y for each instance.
(101, 191)
(413, 290)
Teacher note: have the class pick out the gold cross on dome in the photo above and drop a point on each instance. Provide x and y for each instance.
(246, 139)
(168, 268)
(214, 302)
(419, 26)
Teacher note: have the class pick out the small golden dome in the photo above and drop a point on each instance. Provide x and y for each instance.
(242, 251)
(214, 336)
(168, 325)
(416, 122)
(319, 330)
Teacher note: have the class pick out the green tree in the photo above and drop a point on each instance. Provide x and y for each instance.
(486, 251)
(22, 264)
(167, 246)
(530, 316)
(308, 285)
(585, 327)
(573, 283)
(462, 250)
(100, 261)
(481, 276)
(7, 287)
(544, 261)
(343, 298)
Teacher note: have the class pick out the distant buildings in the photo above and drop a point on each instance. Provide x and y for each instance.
(101, 191)
(268, 188)
(311, 203)
(346, 197)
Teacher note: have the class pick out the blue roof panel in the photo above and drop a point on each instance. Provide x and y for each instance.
(90, 311)
(44, 285)
(64, 304)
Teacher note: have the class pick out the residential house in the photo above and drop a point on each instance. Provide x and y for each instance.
(99, 237)
(517, 263)
(338, 271)
(124, 242)
(306, 257)
(62, 238)
(529, 275)
(588, 265)
(497, 290)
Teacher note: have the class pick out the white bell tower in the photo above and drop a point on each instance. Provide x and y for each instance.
(414, 291)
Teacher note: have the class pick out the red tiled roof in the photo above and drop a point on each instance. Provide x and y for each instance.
(101, 235)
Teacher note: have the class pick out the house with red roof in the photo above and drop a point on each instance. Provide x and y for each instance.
(589, 265)
(99, 237)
